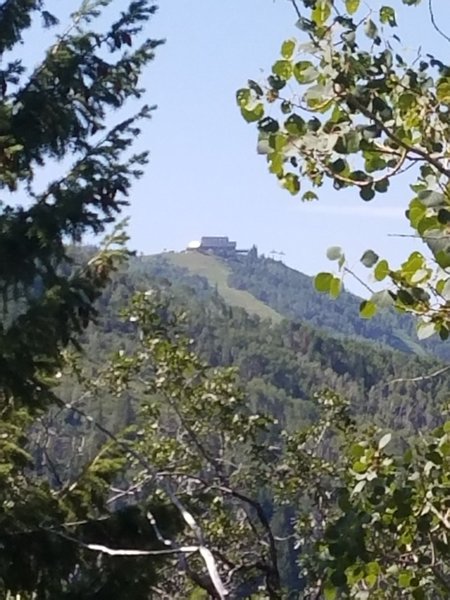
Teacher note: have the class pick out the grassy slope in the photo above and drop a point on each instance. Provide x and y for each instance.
(217, 272)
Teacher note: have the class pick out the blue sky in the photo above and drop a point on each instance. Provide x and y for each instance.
(205, 178)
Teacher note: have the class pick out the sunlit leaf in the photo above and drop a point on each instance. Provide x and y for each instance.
(288, 48)
(322, 282)
(387, 16)
(367, 309)
(352, 6)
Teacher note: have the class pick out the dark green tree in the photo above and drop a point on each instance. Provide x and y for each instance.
(56, 114)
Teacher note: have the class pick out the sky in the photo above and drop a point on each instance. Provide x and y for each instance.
(205, 177)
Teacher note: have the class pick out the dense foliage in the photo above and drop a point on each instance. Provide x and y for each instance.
(353, 110)
(345, 104)
(256, 487)
(54, 116)
(190, 449)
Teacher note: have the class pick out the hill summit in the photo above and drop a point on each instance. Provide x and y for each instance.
(271, 290)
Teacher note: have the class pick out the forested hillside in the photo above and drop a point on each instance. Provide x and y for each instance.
(282, 363)
(282, 366)
(276, 291)
(293, 295)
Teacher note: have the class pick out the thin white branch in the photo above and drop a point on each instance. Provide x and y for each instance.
(133, 552)
(420, 378)
(187, 516)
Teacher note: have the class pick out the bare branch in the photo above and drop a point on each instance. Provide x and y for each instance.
(434, 22)
(189, 519)
(421, 378)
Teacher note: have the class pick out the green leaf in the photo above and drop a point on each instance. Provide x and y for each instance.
(321, 12)
(416, 212)
(406, 101)
(367, 193)
(381, 270)
(360, 467)
(404, 579)
(444, 216)
(295, 125)
(443, 258)
(276, 163)
(443, 288)
(430, 198)
(443, 91)
(329, 591)
(405, 297)
(322, 282)
(382, 299)
(357, 450)
(367, 309)
(243, 97)
(263, 145)
(420, 276)
(370, 29)
(339, 165)
(268, 125)
(286, 107)
(369, 258)
(425, 330)
(352, 6)
(335, 287)
(254, 114)
(374, 162)
(382, 185)
(278, 141)
(309, 196)
(287, 49)
(415, 261)
(373, 567)
(359, 487)
(256, 88)
(305, 72)
(276, 83)
(387, 16)
(283, 68)
(352, 141)
(292, 183)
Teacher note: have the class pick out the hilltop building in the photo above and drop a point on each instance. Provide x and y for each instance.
(219, 245)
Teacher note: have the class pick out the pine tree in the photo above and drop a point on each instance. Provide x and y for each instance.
(57, 113)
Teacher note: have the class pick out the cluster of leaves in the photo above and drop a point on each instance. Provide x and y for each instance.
(391, 536)
(195, 442)
(345, 105)
(375, 516)
(160, 376)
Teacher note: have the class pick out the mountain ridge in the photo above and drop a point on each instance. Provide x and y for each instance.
(274, 290)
